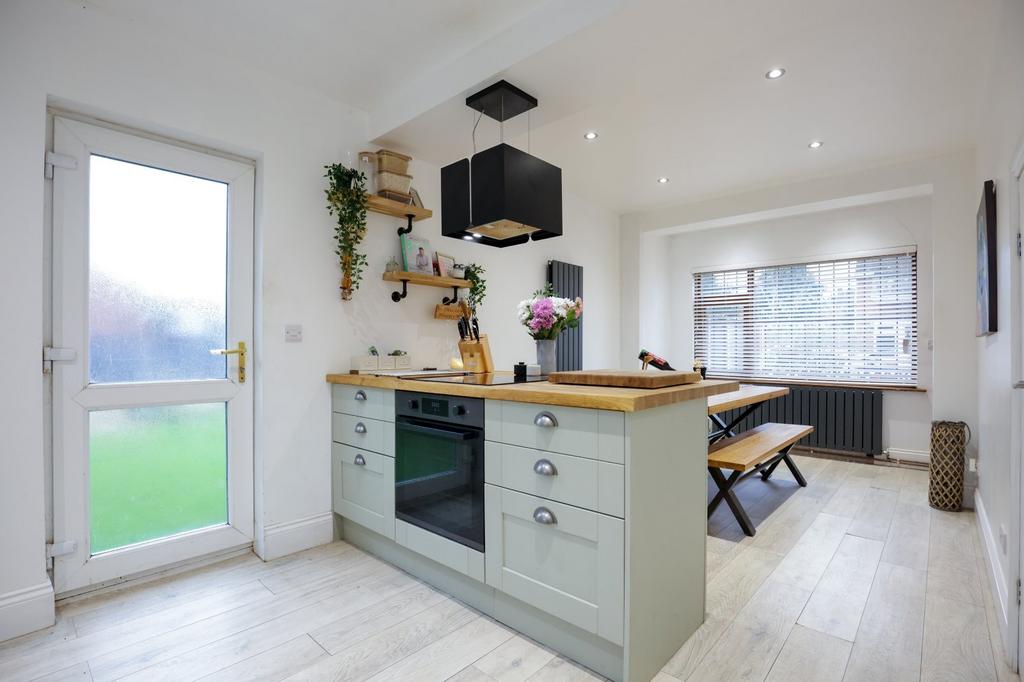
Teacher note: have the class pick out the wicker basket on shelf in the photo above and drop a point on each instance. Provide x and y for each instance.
(946, 468)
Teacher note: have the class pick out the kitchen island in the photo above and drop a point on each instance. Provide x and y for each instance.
(592, 513)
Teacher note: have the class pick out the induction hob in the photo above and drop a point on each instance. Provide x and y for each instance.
(481, 379)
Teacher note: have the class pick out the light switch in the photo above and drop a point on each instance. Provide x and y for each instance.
(293, 333)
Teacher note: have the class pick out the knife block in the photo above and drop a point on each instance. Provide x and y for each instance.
(476, 356)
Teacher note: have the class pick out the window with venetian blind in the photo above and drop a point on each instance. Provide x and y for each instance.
(849, 321)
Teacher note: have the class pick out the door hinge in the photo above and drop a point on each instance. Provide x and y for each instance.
(1018, 591)
(53, 159)
(1018, 245)
(52, 355)
(61, 548)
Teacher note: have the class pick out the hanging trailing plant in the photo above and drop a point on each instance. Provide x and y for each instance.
(478, 285)
(346, 200)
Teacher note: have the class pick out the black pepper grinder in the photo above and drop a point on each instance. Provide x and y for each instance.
(519, 371)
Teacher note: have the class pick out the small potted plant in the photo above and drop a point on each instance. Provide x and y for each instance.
(546, 316)
(477, 284)
(346, 200)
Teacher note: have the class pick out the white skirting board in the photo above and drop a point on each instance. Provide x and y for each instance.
(922, 456)
(1004, 601)
(26, 610)
(282, 539)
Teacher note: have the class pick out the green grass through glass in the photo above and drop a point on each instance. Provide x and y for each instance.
(155, 472)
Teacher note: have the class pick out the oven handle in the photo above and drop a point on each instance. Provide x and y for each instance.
(432, 431)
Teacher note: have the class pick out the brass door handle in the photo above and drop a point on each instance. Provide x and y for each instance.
(240, 352)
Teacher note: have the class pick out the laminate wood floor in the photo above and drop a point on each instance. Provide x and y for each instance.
(851, 578)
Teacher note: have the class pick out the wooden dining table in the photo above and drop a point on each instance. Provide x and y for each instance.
(749, 398)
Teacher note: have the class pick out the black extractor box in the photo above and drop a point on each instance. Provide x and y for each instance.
(502, 196)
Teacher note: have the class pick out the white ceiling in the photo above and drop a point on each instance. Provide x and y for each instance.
(353, 50)
(677, 88)
(674, 87)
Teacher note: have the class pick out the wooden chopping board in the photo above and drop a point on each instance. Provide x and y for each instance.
(624, 378)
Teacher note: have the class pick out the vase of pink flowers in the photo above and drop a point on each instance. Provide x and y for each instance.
(546, 316)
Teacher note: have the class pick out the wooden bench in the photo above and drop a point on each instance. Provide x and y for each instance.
(758, 450)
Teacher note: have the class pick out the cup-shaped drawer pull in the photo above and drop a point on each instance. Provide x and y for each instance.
(360, 427)
(361, 396)
(544, 467)
(359, 461)
(545, 420)
(544, 516)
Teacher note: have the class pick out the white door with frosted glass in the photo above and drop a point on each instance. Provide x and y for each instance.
(153, 416)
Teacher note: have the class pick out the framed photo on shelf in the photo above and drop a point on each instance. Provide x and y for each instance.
(416, 255)
(444, 264)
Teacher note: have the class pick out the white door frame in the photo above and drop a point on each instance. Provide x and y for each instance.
(74, 397)
(1013, 638)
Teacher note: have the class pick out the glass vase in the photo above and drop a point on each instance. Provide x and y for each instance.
(546, 355)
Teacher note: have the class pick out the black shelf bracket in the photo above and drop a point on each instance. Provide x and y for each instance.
(397, 297)
(408, 228)
(453, 299)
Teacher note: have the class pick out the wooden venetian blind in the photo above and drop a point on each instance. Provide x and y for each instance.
(839, 321)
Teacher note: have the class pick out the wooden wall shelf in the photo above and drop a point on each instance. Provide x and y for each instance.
(406, 278)
(397, 209)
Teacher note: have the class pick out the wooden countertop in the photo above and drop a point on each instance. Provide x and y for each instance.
(542, 392)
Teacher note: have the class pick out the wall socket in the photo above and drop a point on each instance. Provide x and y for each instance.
(293, 333)
(972, 464)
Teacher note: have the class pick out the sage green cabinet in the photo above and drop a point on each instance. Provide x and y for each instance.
(595, 434)
(582, 482)
(363, 485)
(558, 558)
(364, 433)
(374, 403)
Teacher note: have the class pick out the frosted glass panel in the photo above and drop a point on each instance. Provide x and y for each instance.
(157, 274)
(156, 471)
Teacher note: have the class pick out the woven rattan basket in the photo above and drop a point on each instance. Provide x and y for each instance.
(946, 474)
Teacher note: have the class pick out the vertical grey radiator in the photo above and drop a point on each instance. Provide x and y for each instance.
(846, 419)
(567, 280)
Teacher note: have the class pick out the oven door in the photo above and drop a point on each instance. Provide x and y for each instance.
(439, 479)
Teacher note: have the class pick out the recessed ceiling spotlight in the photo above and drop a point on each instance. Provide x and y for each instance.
(590, 135)
(815, 144)
(477, 236)
(775, 74)
(662, 180)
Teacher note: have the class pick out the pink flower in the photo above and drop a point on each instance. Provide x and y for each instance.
(543, 314)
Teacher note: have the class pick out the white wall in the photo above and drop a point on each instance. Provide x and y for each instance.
(820, 235)
(949, 369)
(1000, 134)
(57, 51)
(513, 274)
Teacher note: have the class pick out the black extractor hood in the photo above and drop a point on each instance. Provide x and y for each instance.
(501, 196)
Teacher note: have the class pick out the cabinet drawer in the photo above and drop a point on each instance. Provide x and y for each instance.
(587, 483)
(571, 567)
(365, 433)
(595, 434)
(363, 485)
(375, 403)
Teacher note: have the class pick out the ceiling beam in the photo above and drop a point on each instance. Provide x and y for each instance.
(549, 23)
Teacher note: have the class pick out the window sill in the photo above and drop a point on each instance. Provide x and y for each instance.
(823, 384)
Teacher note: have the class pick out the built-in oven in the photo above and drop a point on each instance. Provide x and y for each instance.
(439, 465)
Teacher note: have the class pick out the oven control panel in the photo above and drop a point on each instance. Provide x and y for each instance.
(443, 408)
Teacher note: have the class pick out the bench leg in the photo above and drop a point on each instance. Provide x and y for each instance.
(792, 467)
(725, 492)
(767, 471)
